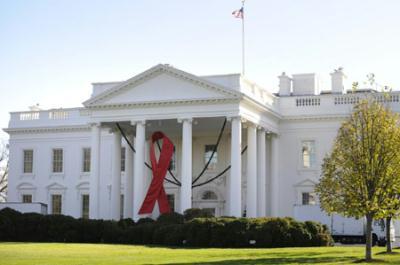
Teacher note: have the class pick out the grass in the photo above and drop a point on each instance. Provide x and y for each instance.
(96, 254)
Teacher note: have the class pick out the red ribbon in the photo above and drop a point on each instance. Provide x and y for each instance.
(156, 190)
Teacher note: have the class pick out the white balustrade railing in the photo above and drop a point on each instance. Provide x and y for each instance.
(29, 116)
(48, 117)
(348, 99)
(344, 100)
(58, 115)
(308, 101)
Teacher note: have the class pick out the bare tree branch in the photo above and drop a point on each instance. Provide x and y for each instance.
(3, 171)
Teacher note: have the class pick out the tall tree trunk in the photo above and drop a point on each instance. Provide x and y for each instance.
(388, 241)
(368, 235)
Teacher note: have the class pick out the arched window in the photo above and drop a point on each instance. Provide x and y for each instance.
(209, 195)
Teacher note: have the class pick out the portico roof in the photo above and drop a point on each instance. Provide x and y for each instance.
(162, 84)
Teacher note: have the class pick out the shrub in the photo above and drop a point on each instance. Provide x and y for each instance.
(169, 229)
(125, 223)
(147, 232)
(112, 233)
(90, 231)
(57, 226)
(175, 236)
(198, 232)
(320, 235)
(160, 233)
(28, 227)
(8, 220)
(192, 213)
(170, 218)
(145, 220)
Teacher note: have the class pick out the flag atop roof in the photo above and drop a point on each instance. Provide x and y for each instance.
(238, 13)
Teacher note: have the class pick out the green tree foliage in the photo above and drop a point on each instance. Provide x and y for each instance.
(361, 175)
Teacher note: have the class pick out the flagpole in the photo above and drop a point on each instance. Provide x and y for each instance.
(243, 43)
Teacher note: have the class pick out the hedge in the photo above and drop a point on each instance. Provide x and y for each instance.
(170, 229)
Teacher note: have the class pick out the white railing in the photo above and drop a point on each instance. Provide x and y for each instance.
(309, 101)
(345, 100)
(348, 99)
(29, 116)
(58, 115)
(354, 99)
(387, 98)
(73, 116)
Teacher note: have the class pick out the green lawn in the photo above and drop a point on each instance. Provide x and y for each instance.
(59, 254)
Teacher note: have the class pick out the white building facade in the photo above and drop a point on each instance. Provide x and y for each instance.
(268, 158)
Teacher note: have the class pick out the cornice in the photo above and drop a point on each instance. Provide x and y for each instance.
(262, 106)
(47, 129)
(315, 117)
(163, 103)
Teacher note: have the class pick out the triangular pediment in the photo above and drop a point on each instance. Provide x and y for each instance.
(306, 183)
(56, 186)
(162, 84)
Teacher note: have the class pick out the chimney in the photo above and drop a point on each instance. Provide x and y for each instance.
(306, 84)
(285, 84)
(338, 78)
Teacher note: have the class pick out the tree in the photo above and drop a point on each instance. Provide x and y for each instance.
(3, 172)
(361, 175)
(391, 212)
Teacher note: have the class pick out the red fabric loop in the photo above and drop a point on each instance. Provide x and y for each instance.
(156, 190)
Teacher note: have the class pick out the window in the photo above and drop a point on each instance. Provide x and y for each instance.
(172, 163)
(56, 204)
(308, 198)
(207, 155)
(57, 160)
(85, 206)
(122, 207)
(171, 201)
(26, 198)
(86, 160)
(123, 159)
(28, 161)
(209, 195)
(308, 154)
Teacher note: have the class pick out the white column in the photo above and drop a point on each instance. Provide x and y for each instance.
(186, 169)
(251, 200)
(94, 172)
(138, 168)
(148, 174)
(128, 195)
(227, 182)
(261, 173)
(116, 177)
(235, 183)
(274, 190)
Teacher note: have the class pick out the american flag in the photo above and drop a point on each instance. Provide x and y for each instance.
(238, 13)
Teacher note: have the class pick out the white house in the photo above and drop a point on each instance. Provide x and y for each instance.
(78, 162)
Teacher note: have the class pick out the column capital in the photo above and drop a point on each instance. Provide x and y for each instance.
(249, 124)
(135, 122)
(114, 130)
(182, 120)
(273, 135)
(94, 124)
(237, 117)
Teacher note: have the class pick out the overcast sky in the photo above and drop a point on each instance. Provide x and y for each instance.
(51, 51)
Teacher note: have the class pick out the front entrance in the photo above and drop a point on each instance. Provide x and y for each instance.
(209, 201)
